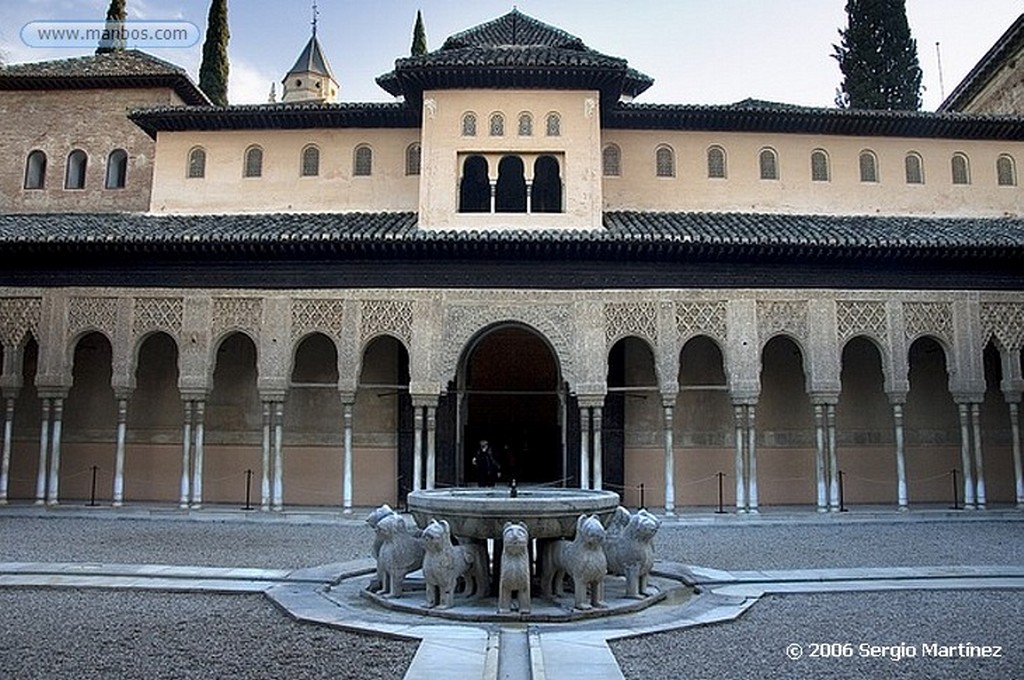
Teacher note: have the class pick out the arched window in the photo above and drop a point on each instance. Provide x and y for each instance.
(820, 170)
(914, 168)
(769, 164)
(961, 169)
(554, 125)
(74, 178)
(469, 125)
(664, 162)
(716, 162)
(413, 159)
(117, 169)
(253, 162)
(310, 166)
(546, 195)
(475, 186)
(35, 170)
(362, 161)
(611, 160)
(525, 125)
(497, 126)
(1006, 172)
(868, 167)
(197, 163)
(510, 191)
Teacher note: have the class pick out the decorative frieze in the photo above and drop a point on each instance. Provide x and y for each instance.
(781, 316)
(928, 318)
(631, 318)
(386, 317)
(701, 318)
(240, 313)
(18, 316)
(93, 313)
(1005, 322)
(325, 316)
(158, 314)
(861, 317)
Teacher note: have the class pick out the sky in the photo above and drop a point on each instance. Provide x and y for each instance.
(697, 51)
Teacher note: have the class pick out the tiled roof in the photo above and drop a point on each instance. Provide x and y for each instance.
(514, 28)
(312, 60)
(123, 68)
(1008, 44)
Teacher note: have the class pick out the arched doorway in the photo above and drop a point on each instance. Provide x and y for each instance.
(510, 392)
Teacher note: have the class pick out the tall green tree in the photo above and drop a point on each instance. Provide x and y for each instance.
(213, 72)
(419, 37)
(878, 58)
(112, 41)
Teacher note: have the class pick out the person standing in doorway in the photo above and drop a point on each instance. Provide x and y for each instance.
(488, 470)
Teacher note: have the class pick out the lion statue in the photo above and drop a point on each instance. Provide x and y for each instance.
(629, 548)
(515, 568)
(444, 564)
(400, 552)
(583, 559)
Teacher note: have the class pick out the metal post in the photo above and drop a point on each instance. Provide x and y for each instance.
(956, 501)
(92, 493)
(643, 505)
(721, 494)
(248, 490)
(842, 503)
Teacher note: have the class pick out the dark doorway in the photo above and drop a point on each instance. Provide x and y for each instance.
(475, 187)
(510, 193)
(546, 196)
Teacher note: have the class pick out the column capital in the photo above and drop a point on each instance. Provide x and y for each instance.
(968, 397)
(347, 398)
(272, 395)
(590, 400)
(897, 397)
(823, 397)
(194, 395)
(53, 392)
(123, 393)
(421, 400)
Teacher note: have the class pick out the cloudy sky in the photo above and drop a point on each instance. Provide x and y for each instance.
(698, 51)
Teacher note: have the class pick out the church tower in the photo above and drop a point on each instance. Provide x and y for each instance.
(311, 79)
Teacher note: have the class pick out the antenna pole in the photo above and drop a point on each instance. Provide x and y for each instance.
(316, 14)
(942, 86)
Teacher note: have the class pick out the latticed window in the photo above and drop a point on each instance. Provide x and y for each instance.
(253, 162)
(961, 169)
(914, 169)
(554, 125)
(35, 170)
(769, 164)
(197, 163)
(117, 169)
(1006, 173)
(74, 178)
(819, 166)
(469, 125)
(611, 160)
(525, 125)
(665, 162)
(497, 127)
(412, 159)
(310, 161)
(362, 162)
(868, 167)
(716, 162)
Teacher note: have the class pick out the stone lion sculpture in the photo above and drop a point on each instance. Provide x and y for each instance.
(444, 564)
(515, 568)
(373, 519)
(583, 559)
(400, 552)
(629, 548)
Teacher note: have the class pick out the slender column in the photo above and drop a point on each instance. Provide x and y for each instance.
(833, 458)
(741, 486)
(584, 447)
(53, 493)
(598, 461)
(670, 464)
(417, 450)
(1015, 434)
(494, 195)
(752, 464)
(5, 467)
(186, 449)
(265, 460)
(979, 468)
(819, 455)
(122, 424)
(529, 196)
(346, 482)
(44, 446)
(901, 461)
(197, 472)
(431, 442)
(965, 457)
(278, 419)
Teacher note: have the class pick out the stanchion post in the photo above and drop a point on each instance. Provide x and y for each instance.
(956, 502)
(643, 506)
(248, 489)
(842, 503)
(721, 492)
(92, 494)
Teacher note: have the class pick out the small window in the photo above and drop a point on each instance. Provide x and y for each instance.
(554, 125)
(611, 160)
(362, 161)
(35, 170)
(914, 169)
(497, 127)
(253, 162)
(310, 161)
(197, 163)
(868, 167)
(961, 169)
(665, 162)
(769, 164)
(413, 159)
(117, 169)
(716, 162)
(74, 178)
(1006, 173)
(469, 125)
(525, 125)
(820, 171)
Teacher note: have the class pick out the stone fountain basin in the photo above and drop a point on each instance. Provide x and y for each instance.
(482, 512)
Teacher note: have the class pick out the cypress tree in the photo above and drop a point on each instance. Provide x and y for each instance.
(116, 16)
(419, 37)
(878, 58)
(213, 72)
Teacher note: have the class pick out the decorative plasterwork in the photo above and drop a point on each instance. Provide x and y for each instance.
(861, 317)
(158, 314)
(18, 316)
(92, 313)
(238, 313)
(1005, 322)
(631, 318)
(785, 316)
(325, 316)
(386, 317)
(929, 318)
(701, 318)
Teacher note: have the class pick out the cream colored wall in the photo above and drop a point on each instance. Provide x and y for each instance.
(281, 188)
(637, 188)
(443, 143)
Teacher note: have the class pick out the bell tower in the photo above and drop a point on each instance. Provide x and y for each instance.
(311, 79)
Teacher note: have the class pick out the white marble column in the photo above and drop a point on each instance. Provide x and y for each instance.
(5, 466)
(670, 463)
(431, 446)
(752, 462)
(819, 456)
(417, 449)
(833, 457)
(902, 498)
(53, 492)
(979, 468)
(584, 447)
(965, 456)
(739, 414)
(1015, 434)
(197, 472)
(186, 450)
(598, 455)
(278, 474)
(346, 481)
(122, 427)
(44, 447)
(265, 460)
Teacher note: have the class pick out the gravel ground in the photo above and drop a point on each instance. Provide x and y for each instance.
(755, 646)
(58, 634)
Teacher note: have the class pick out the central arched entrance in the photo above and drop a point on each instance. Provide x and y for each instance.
(511, 393)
